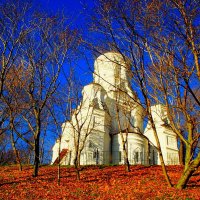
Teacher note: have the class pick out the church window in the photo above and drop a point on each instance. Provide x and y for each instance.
(171, 141)
(90, 144)
(153, 157)
(136, 157)
(141, 157)
(95, 154)
(120, 156)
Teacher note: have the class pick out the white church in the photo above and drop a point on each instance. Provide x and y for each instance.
(110, 112)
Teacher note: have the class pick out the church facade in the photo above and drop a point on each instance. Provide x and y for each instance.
(110, 115)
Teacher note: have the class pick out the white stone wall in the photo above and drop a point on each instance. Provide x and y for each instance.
(137, 148)
(93, 94)
(65, 142)
(166, 137)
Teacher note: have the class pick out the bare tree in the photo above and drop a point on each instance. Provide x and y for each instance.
(123, 114)
(66, 99)
(139, 30)
(122, 123)
(120, 36)
(12, 31)
(182, 110)
(39, 44)
(4, 156)
(45, 55)
(82, 123)
(175, 59)
(79, 122)
(82, 128)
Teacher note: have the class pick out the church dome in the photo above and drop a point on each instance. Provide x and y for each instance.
(112, 57)
(112, 70)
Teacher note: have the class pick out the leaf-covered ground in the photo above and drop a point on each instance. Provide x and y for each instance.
(96, 183)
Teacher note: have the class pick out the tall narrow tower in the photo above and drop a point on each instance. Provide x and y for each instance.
(113, 72)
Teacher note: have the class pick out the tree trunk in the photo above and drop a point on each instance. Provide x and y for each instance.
(77, 173)
(18, 159)
(182, 153)
(79, 159)
(160, 153)
(76, 166)
(59, 161)
(42, 151)
(188, 171)
(36, 157)
(37, 145)
(15, 149)
(59, 173)
(188, 156)
(126, 161)
(164, 169)
(125, 154)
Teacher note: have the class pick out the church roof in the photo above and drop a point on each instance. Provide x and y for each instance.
(62, 155)
(113, 57)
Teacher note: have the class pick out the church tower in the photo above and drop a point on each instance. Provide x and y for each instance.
(113, 72)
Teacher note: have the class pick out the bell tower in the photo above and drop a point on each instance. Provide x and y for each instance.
(112, 72)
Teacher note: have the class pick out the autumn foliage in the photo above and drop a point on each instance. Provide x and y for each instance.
(97, 182)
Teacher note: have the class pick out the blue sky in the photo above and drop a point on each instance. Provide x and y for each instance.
(61, 4)
(76, 11)
(74, 8)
